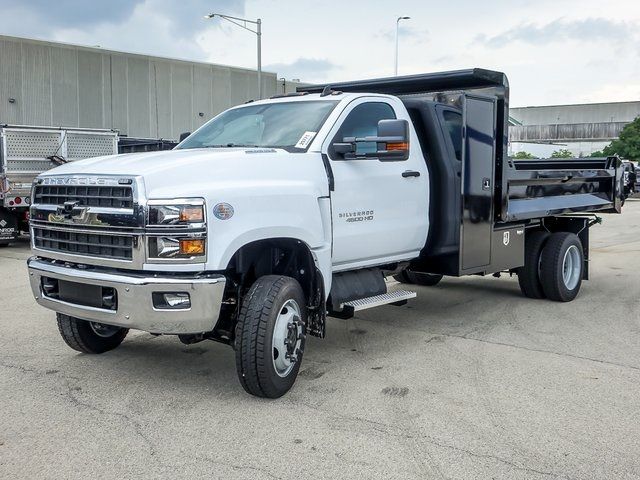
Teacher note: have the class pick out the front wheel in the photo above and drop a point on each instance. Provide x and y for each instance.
(270, 336)
(561, 267)
(89, 337)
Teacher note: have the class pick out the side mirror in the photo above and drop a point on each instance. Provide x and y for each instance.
(390, 144)
(184, 135)
(394, 130)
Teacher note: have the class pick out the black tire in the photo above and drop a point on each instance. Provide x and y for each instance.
(417, 278)
(254, 336)
(2, 245)
(528, 275)
(552, 266)
(81, 336)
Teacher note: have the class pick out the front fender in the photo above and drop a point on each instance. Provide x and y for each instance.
(295, 215)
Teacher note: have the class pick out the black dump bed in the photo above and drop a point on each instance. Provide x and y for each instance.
(522, 189)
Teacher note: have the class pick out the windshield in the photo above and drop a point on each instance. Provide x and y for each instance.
(288, 125)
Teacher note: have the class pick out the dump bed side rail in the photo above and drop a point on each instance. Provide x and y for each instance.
(542, 188)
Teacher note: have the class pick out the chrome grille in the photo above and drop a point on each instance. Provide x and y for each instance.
(89, 196)
(97, 244)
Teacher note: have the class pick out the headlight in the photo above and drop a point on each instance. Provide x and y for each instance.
(176, 230)
(173, 247)
(176, 214)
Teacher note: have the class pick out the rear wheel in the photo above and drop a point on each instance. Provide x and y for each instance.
(561, 267)
(270, 336)
(89, 337)
(529, 274)
(417, 278)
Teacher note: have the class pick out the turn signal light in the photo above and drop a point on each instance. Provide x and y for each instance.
(192, 247)
(398, 146)
(192, 214)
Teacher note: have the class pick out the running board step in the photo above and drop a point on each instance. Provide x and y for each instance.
(386, 298)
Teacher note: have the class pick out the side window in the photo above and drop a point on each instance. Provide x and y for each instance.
(362, 121)
(453, 125)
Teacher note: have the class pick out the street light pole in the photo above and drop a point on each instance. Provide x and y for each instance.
(259, 34)
(397, 29)
(242, 23)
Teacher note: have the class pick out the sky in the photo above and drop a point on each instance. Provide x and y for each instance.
(553, 51)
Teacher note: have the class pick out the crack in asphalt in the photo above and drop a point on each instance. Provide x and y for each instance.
(560, 354)
(69, 394)
(22, 368)
(137, 427)
(387, 429)
(433, 336)
(236, 467)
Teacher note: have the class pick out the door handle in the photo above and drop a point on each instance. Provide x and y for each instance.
(410, 173)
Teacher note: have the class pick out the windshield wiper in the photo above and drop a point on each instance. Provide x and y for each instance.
(231, 145)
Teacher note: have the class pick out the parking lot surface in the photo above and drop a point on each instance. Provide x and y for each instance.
(469, 380)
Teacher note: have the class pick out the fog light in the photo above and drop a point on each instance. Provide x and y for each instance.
(171, 300)
(177, 300)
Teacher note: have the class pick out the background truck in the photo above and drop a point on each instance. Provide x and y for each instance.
(26, 152)
(280, 212)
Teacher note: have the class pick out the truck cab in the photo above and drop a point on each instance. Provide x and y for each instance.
(279, 212)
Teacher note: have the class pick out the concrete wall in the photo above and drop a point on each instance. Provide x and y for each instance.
(566, 132)
(53, 84)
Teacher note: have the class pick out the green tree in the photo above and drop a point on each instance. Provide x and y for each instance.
(598, 154)
(627, 145)
(524, 155)
(562, 153)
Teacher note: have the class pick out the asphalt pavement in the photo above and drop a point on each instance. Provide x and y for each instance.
(468, 381)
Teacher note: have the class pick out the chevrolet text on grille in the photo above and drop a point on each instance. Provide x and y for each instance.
(82, 181)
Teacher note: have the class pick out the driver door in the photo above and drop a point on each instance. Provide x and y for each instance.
(379, 208)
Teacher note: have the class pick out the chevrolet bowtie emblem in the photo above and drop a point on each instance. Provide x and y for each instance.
(71, 209)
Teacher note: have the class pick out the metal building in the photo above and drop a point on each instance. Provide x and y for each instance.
(582, 128)
(54, 84)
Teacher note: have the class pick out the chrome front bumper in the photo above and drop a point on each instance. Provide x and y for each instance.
(135, 307)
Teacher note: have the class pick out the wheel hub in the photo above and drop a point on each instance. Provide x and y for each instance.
(571, 268)
(288, 338)
(103, 330)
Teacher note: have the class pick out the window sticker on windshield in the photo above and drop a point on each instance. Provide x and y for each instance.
(305, 139)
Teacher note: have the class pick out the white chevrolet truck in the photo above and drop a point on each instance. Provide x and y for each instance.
(279, 212)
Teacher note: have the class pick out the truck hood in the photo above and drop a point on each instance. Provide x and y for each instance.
(188, 172)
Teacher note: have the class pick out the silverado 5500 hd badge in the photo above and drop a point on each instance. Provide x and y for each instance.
(357, 216)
